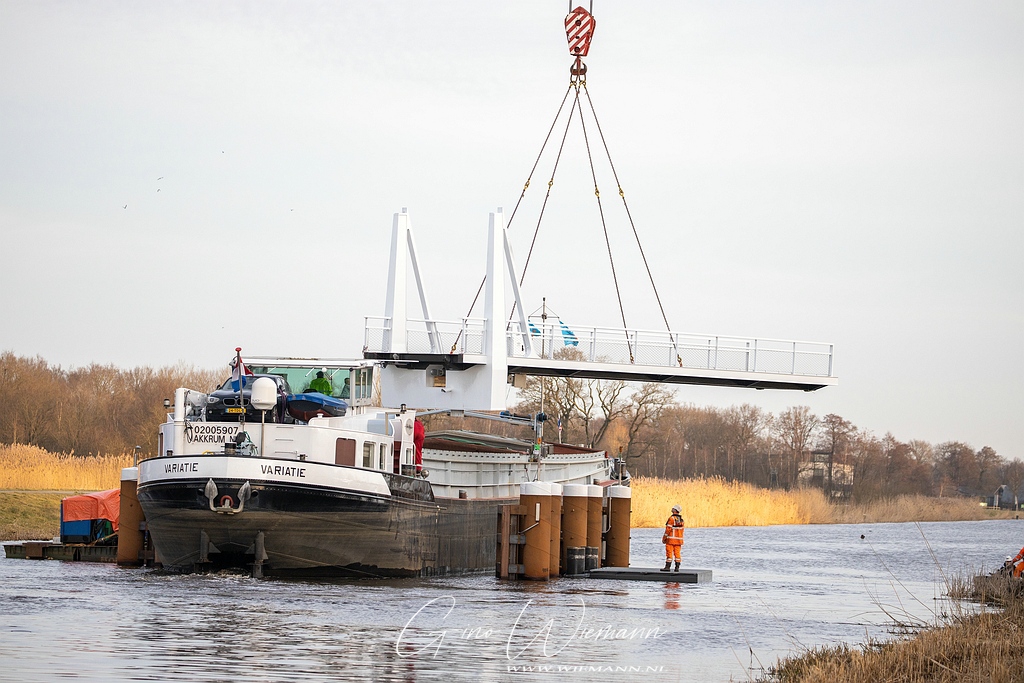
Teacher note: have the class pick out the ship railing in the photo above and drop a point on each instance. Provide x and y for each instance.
(672, 349)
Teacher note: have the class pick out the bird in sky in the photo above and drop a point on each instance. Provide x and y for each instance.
(126, 206)
(160, 178)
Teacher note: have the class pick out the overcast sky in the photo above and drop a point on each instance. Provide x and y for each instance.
(180, 178)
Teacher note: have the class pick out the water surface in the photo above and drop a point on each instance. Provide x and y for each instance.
(776, 590)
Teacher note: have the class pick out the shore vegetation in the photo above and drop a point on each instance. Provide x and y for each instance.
(33, 481)
(717, 502)
(964, 645)
(30, 468)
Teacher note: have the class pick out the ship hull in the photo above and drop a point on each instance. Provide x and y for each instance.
(311, 530)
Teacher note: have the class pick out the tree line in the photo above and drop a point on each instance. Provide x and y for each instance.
(660, 437)
(90, 410)
(105, 409)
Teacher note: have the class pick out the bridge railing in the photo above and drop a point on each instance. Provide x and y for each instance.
(609, 345)
(671, 349)
(427, 336)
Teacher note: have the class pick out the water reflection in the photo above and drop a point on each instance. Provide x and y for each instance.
(673, 592)
(808, 585)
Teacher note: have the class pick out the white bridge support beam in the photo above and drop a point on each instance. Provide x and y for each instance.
(437, 378)
(495, 344)
(396, 307)
(524, 326)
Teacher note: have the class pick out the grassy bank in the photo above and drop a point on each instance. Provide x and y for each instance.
(715, 502)
(988, 646)
(30, 515)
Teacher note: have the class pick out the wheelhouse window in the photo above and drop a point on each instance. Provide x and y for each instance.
(368, 455)
(362, 380)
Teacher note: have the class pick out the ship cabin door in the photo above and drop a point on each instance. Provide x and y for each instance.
(345, 452)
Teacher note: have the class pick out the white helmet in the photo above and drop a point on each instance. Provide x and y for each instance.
(676, 508)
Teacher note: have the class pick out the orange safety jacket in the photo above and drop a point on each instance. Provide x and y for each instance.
(1020, 556)
(674, 529)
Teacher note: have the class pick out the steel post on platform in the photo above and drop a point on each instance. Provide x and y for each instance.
(130, 535)
(595, 507)
(556, 529)
(574, 521)
(535, 500)
(617, 537)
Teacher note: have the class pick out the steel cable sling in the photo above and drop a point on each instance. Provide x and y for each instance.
(604, 226)
(522, 194)
(632, 225)
(547, 195)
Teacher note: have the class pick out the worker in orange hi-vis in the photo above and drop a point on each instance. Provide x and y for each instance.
(673, 538)
(1018, 566)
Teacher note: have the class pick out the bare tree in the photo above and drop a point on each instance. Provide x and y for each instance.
(1013, 475)
(959, 466)
(645, 408)
(560, 397)
(747, 423)
(795, 428)
(990, 466)
(834, 438)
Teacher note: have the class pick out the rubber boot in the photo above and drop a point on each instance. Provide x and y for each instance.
(677, 567)
(668, 566)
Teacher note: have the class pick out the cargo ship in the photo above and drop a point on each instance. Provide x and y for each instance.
(360, 492)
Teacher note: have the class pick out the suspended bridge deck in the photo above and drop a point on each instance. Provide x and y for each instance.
(554, 350)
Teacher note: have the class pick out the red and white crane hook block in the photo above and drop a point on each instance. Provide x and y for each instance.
(579, 29)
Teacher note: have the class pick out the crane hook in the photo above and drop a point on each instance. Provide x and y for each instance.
(579, 30)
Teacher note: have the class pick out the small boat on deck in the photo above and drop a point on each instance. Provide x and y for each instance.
(312, 404)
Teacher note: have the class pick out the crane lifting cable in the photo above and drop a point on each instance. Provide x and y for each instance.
(522, 194)
(579, 29)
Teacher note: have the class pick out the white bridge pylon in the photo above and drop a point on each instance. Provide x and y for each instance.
(468, 364)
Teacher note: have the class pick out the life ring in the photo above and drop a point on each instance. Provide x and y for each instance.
(226, 501)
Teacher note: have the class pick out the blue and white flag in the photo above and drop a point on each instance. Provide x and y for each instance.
(568, 336)
(534, 330)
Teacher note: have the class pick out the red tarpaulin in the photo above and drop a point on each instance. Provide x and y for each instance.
(99, 505)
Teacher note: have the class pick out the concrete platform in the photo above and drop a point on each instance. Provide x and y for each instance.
(651, 574)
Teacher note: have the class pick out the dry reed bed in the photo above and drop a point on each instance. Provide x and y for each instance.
(29, 468)
(715, 502)
(984, 647)
(912, 509)
(987, 647)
